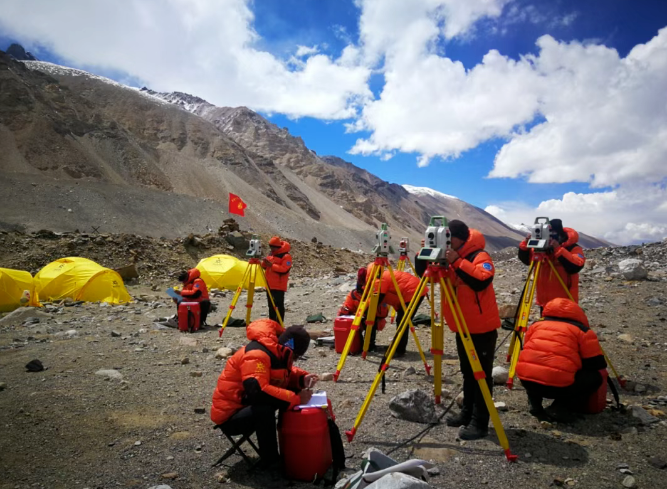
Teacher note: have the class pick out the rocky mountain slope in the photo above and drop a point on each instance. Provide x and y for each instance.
(95, 154)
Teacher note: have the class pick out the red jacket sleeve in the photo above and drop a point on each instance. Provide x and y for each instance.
(573, 261)
(477, 275)
(284, 265)
(589, 346)
(296, 378)
(258, 366)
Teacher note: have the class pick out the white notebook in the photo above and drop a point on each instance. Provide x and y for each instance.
(319, 400)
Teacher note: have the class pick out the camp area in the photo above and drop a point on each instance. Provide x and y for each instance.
(227, 272)
(16, 289)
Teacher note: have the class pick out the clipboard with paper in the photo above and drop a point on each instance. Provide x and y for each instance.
(318, 400)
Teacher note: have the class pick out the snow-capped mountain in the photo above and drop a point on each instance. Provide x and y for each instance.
(427, 191)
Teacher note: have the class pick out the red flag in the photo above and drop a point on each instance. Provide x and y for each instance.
(236, 205)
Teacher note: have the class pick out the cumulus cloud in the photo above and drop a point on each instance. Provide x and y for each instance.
(302, 51)
(204, 47)
(626, 215)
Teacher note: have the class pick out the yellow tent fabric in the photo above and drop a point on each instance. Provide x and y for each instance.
(80, 279)
(225, 272)
(12, 285)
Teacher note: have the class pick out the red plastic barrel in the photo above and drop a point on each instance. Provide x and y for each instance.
(189, 315)
(598, 401)
(305, 444)
(341, 328)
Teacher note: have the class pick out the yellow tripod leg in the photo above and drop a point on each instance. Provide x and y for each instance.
(414, 272)
(370, 318)
(235, 299)
(522, 323)
(621, 380)
(251, 292)
(437, 343)
(526, 288)
(363, 304)
(383, 368)
(273, 303)
(415, 299)
(479, 374)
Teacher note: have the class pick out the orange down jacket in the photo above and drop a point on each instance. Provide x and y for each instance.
(407, 284)
(194, 288)
(471, 276)
(568, 260)
(277, 275)
(559, 345)
(352, 302)
(260, 373)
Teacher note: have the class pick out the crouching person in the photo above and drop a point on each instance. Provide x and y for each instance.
(260, 379)
(561, 360)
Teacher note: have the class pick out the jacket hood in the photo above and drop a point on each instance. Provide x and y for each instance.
(565, 309)
(193, 274)
(572, 237)
(266, 331)
(474, 243)
(284, 248)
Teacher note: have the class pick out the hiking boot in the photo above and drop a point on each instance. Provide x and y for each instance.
(461, 419)
(474, 431)
(540, 413)
(560, 414)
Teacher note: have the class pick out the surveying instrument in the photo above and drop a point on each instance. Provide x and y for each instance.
(539, 243)
(254, 268)
(438, 241)
(403, 258)
(370, 301)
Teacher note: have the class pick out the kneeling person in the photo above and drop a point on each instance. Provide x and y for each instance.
(260, 379)
(195, 290)
(561, 360)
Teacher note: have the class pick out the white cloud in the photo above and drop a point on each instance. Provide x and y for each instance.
(302, 51)
(204, 47)
(623, 216)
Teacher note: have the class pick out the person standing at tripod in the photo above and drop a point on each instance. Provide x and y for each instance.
(471, 273)
(277, 265)
(566, 256)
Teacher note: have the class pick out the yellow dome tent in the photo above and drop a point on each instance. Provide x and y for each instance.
(225, 272)
(13, 283)
(80, 279)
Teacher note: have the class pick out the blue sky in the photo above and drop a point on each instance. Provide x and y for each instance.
(420, 82)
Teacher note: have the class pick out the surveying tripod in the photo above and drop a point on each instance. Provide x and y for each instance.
(436, 274)
(523, 312)
(249, 280)
(403, 258)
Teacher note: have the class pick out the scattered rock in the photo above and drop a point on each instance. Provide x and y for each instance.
(115, 334)
(658, 462)
(398, 480)
(625, 337)
(500, 375)
(501, 406)
(409, 371)
(34, 366)
(414, 405)
(632, 269)
(459, 399)
(224, 352)
(506, 311)
(3, 386)
(328, 377)
(22, 314)
(137, 443)
(643, 416)
(200, 410)
(187, 341)
(238, 241)
(196, 373)
(161, 486)
(170, 475)
(222, 477)
(629, 482)
(110, 374)
(185, 361)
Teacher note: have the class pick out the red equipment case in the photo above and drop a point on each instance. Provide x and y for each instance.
(598, 401)
(341, 329)
(189, 316)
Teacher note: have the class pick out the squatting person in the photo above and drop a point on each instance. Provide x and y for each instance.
(277, 265)
(195, 290)
(471, 272)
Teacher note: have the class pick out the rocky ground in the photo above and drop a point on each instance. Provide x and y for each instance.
(125, 403)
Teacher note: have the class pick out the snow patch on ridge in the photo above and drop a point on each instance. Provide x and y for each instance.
(427, 191)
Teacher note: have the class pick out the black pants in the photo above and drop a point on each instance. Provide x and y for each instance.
(574, 396)
(400, 313)
(205, 308)
(279, 299)
(473, 401)
(261, 419)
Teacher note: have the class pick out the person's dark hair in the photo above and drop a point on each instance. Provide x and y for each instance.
(182, 276)
(296, 338)
(557, 228)
(459, 229)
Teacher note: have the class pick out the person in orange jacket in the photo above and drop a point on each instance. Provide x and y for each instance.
(568, 259)
(351, 304)
(471, 273)
(277, 266)
(407, 285)
(561, 360)
(259, 379)
(195, 290)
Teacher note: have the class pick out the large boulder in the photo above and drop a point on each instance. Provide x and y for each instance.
(398, 480)
(414, 405)
(238, 241)
(632, 269)
(500, 375)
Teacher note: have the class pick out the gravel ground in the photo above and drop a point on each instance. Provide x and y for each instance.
(67, 427)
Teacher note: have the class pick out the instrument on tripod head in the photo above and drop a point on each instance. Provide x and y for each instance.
(540, 234)
(255, 247)
(404, 246)
(438, 240)
(383, 248)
